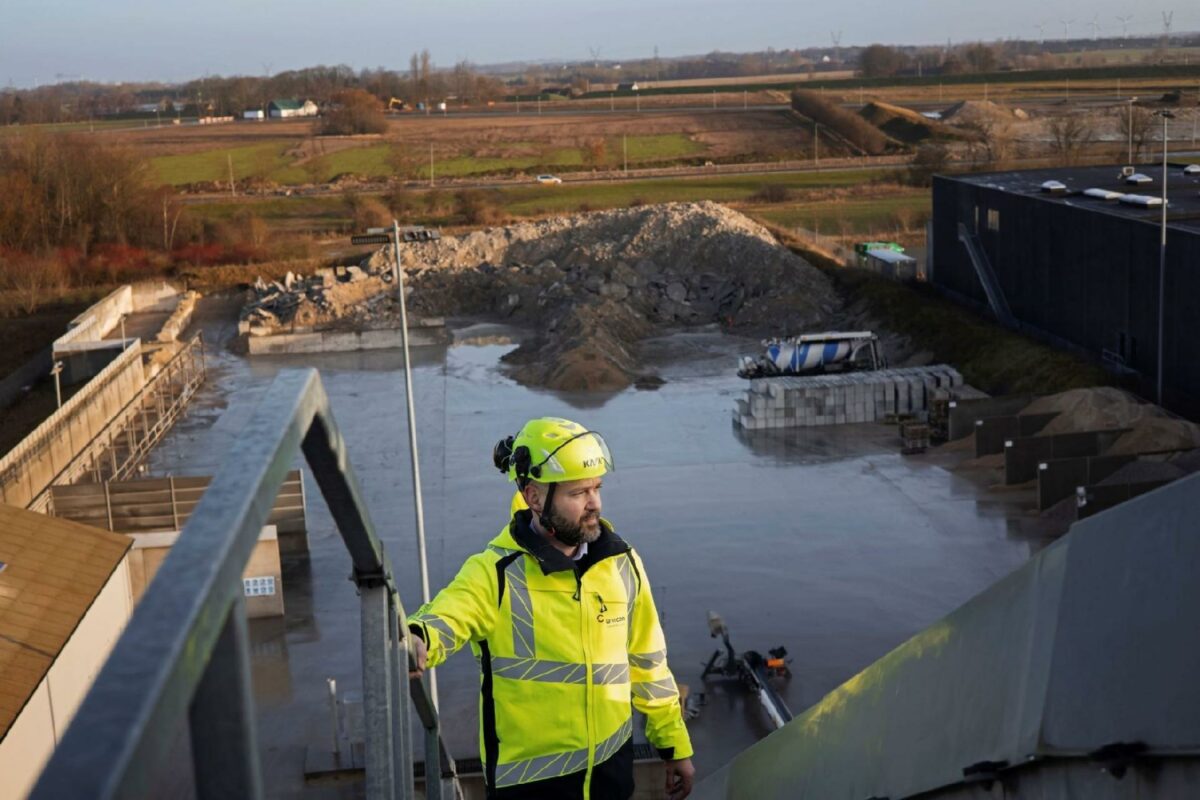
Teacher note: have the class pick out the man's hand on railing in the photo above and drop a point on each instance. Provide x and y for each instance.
(679, 778)
(420, 656)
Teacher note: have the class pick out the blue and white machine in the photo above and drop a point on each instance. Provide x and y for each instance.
(815, 353)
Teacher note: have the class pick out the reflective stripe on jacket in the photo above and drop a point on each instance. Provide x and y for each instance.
(564, 648)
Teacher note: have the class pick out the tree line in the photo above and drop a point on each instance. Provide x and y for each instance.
(423, 81)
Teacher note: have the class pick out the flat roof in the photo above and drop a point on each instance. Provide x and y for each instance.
(1183, 190)
(54, 570)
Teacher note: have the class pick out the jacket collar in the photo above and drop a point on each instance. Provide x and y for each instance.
(549, 558)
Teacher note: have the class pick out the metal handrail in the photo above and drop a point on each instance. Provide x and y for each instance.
(184, 655)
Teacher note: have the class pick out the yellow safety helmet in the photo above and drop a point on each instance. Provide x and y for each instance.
(553, 450)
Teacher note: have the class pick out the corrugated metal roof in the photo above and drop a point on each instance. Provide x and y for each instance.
(55, 569)
(1091, 644)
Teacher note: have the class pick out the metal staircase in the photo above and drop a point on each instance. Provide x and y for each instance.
(987, 278)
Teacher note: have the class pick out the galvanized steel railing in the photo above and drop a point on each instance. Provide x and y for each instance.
(183, 657)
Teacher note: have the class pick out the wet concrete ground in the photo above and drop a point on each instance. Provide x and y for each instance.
(826, 541)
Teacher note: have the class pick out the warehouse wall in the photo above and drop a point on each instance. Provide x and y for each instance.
(1076, 273)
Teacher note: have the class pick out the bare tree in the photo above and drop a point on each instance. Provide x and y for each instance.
(1137, 125)
(989, 140)
(1070, 134)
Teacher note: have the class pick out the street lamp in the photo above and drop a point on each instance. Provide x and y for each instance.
(394, 236)
(1132, 100)
(1162, 256)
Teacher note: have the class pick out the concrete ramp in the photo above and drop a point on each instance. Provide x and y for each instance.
(1075, 676)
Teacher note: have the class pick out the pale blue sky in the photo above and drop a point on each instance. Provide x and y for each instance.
(139, 39)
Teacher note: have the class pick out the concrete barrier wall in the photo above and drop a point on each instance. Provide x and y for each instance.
(30, 467)
(1023, 455)
(96, 322)
(1058, 478)
(153, 296)
(1100, 498)
(963, 413)
(342, 341)
(180, 318)
(992, 432)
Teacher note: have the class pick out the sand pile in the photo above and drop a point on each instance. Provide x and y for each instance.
(975, 112)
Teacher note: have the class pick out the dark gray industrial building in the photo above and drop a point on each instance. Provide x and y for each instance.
(1071, 255)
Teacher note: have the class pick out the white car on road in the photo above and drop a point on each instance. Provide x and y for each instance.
(549, 179)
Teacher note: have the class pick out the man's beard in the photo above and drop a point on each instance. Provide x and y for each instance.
(577, 532)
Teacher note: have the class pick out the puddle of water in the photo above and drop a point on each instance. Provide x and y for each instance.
(824, 541)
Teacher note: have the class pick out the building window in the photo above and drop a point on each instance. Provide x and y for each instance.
(993, 220)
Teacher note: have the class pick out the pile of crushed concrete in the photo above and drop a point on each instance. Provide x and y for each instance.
(592, 285)
(589, 287)
(330, 298)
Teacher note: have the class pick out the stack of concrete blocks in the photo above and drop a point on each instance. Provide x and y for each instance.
(839, 399)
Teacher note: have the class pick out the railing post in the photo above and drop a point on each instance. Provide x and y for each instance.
(224, 743)
(402, 743)
(174, 504)
(433, 761)
(378, 706)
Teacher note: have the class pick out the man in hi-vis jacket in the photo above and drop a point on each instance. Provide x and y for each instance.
(559, 614)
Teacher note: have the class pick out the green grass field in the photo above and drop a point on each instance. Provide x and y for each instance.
(265, 159)
(269, 161)
(82, 127)
(660, 147)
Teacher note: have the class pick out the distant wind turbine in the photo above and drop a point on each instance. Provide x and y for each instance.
(1066, 23)
(1125, 25)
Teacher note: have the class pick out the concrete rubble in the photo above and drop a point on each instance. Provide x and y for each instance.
(592, 285)
(841, 398)
(332, 298)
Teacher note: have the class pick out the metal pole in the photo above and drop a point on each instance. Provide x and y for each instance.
(380, 726)
(55, 371)
(402, 750)
(122, 331)
(1130, 162)
(333, 716)
(1162, 265)
(222, 720)
(418, 507)
(430, 169)
(625, 149)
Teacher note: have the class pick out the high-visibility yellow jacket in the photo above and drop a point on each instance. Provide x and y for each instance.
(564, 648)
